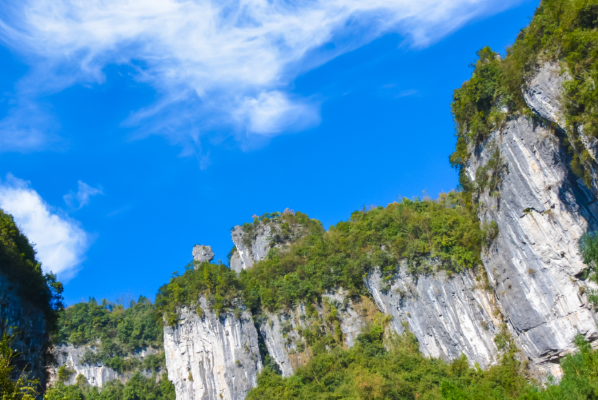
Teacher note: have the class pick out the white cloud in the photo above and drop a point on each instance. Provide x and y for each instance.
(82, 197)
(216, 62)
(59, 241)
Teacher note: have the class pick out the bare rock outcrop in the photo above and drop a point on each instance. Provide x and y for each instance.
(449, 315)
(337, 315)
(202, 253)
(542, 210)
(96, 374)
(212, 357)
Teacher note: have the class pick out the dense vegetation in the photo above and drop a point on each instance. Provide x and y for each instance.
(119, 331)
(14, 384)
(137, 388)
(427, 234)
(18, 263)
(561, 30)
(588, 248)
(370, 371)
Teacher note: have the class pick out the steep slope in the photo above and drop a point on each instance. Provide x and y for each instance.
(29, 299)
(212, 357)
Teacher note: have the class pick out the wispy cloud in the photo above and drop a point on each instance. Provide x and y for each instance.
(59, 241)
(82, 197)
(216, 63)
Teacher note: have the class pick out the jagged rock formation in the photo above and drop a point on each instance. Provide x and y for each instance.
(542, 210)
(19, 316)
(282, 331)
(253, 244)
(212, 357)
(246, 256)
(96, 374)
(202, 253)
(449, 315)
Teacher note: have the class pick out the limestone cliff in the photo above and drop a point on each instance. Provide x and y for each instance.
(254, 241)
(449, 315)
(212, 357)
(542, 210)
(96, 374)
(338, 315)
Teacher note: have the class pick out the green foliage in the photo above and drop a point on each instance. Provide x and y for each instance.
(65, 373)
(588, 248)
(415, 230)
(370, 371)
(136, 388)
(389, 368)
(14, 384)
(127, 328)
(216, 281)
(119, 330)
(18, 263)
(561, 30)
(428, 234)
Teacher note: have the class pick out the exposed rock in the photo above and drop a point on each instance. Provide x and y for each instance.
(246, 256)
(96, 374)
(449, 316)
(545, 91)
(544, 95)
(29, 322)
(542, 211)
(281, 331)
(202, 253)
(212, 357)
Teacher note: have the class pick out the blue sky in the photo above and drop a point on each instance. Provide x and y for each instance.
(129, 133)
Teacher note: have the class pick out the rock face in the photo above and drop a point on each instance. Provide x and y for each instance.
(29, 322)
(202, 253)
(542, 211)
(246, 256)
(449, 316)
(211, 357)
(282, 331)
(96, 374)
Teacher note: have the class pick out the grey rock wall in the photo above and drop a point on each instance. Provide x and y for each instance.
(29, 324)
(281, 331)
(450, 316)
(245, 257)
(212, 357)
(96, 374)
(542, 211)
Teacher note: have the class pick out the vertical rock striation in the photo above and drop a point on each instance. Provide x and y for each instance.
(249, 254)
(211, 357)
(282, 331)
(542, 210)
(450, 316)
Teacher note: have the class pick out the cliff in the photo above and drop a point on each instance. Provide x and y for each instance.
(96, 373)
(449, 315)
(28, 323)
(212, 357)
(542, 210)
